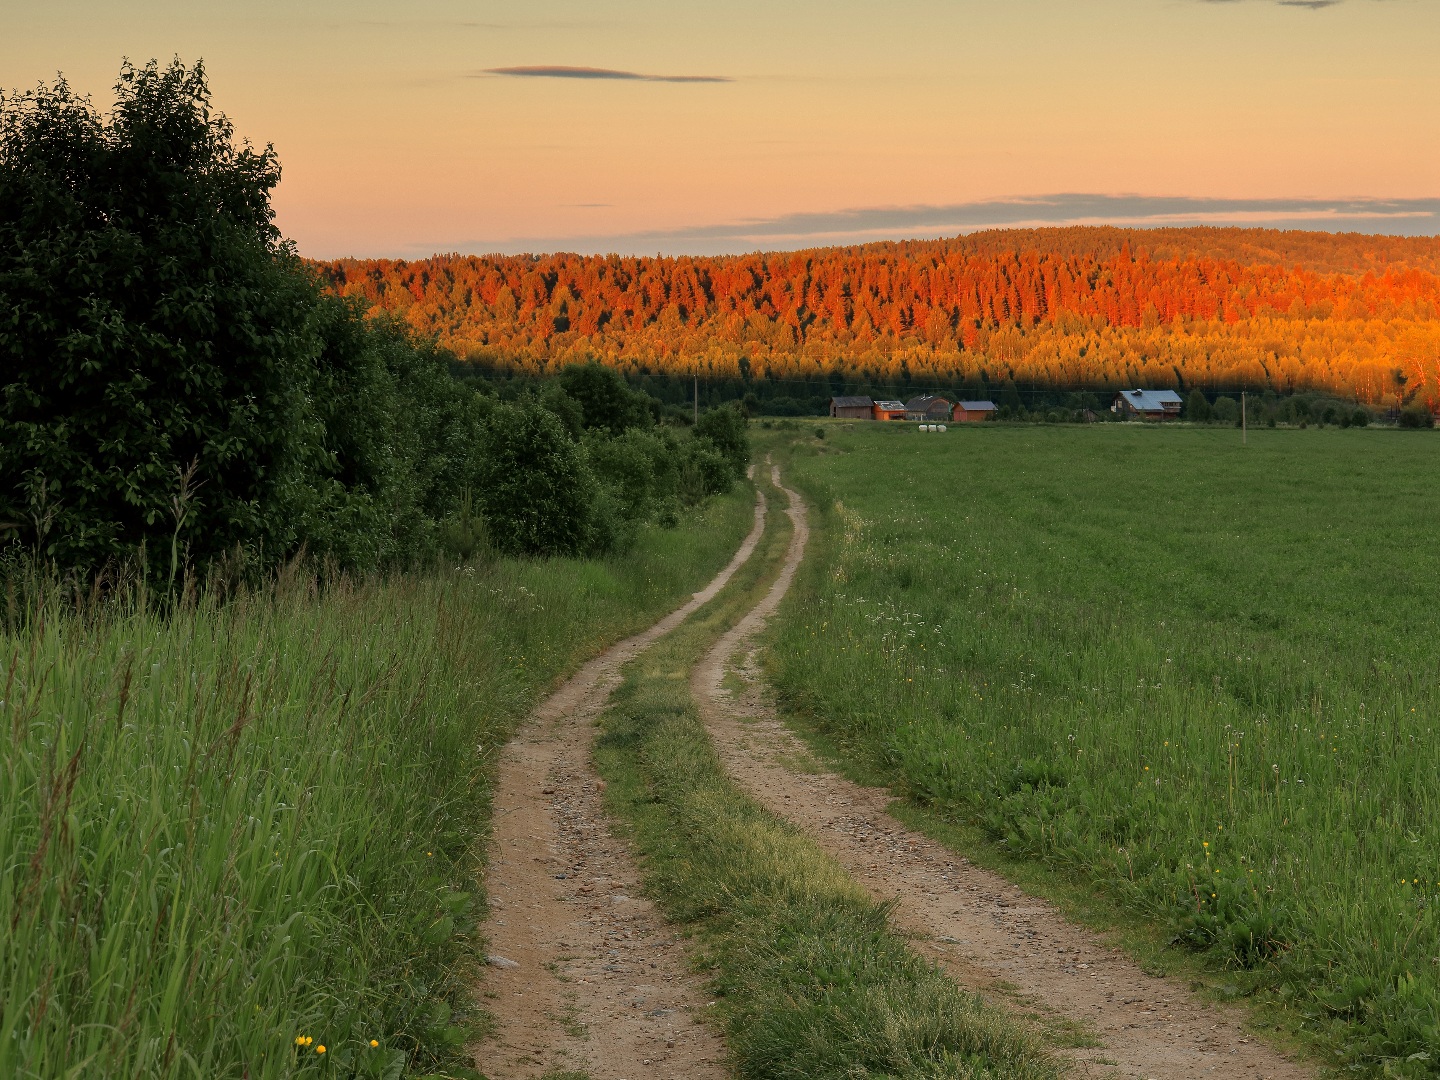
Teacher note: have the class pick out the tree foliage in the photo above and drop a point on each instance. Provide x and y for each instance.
(154, 325)
(1104, 308)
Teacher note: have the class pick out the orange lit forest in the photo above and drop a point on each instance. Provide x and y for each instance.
(1094, 308)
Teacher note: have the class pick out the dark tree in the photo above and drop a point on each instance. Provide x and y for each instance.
(154, 344)
(606, 402)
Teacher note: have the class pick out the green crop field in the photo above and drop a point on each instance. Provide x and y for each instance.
(1198, 678)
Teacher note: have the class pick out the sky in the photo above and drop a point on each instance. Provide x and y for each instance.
(640, 127)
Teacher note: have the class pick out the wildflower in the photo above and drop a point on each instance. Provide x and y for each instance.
(1205, 842)
(374, 1042)
(320, 1049)
(299, 1040)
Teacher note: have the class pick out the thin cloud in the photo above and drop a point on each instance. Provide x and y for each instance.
(1409, 217)
(565, 71)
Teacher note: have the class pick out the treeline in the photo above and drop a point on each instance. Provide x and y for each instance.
(177, 385)
(1357, 316)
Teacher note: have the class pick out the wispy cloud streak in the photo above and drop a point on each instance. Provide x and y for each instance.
(1409, 217)
(563, 71)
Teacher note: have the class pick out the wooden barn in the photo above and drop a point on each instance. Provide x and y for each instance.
(928, 408)
(853, 408)
(1147, 404)
(969, 412)
(889, 410)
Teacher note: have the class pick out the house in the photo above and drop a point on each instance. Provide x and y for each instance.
(853, 408)
(1147, 404)
(929, 408)
(889, 410)
(971, 411)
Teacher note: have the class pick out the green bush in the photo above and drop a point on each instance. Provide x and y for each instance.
(724, 428)
(1197, 408)
(536, 492)
(1416, 416)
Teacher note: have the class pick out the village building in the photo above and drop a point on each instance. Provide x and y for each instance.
(928, 408)
(889, 410)
(968, 412)
(853, 408)
(1147, 404)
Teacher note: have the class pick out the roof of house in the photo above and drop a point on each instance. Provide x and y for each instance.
(977, 406)
(1150, 400)
(892, 406)
(923, 402)
(852, 402)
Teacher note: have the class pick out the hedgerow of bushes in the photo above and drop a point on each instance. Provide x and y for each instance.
(178, 387)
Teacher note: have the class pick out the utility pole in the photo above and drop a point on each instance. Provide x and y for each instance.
(697, 395)
(1243, 431)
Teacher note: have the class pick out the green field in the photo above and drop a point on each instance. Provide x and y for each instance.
(1198, 678)
(256, 821)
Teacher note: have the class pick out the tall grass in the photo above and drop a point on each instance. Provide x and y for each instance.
(254, 822)
(1200, 676)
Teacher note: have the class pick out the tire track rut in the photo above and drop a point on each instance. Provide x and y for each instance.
(583, 973)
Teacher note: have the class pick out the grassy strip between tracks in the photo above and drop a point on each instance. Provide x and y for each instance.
(254, 822)
(810, 979)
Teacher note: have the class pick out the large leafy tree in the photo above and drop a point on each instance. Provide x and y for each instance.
(154, 328)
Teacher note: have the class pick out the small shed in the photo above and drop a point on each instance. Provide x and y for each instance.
(853, 408)
(889, 410)
(928, 408)
(968, 412)
(1147, 404)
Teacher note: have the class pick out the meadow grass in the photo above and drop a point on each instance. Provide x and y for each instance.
(246, 830)
(810, 979)
(1197, 677)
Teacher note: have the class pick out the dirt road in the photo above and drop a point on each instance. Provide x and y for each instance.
(584, 974)
(981, 930)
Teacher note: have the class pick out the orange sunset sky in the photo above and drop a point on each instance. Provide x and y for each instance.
(442, 125)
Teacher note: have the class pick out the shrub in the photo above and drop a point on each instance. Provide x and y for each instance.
(1416, 416)
(536, 492)
(1197, 408)
(1226, 410)
(605, 400)
(724, 428)
(1361, 418)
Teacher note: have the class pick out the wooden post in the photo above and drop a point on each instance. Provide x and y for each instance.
(1243, 431)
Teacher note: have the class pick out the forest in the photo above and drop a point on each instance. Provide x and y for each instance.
(1216, 309)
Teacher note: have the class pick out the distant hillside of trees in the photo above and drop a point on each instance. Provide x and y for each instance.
(1098, 308)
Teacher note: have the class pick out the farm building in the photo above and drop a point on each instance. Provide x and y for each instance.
(928, 407)
(971, 411)
(1147, 404)
(889, 410)
(855, 408)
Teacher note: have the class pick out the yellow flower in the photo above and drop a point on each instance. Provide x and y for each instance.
(1205, 842)
(299, 1040)
(320, 1049)
(308, 1040)
(374, 1042)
